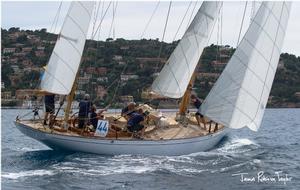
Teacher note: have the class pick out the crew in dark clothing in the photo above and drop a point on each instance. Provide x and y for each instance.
(94, 117)
(84, 110)
(197, 103)
(128, 110)
(49, 108)
(135, 124)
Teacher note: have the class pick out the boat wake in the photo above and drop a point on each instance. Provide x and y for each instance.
(228, 156)
(29, 173)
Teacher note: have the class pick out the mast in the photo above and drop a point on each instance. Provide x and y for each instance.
(70, 99)
(186, 97)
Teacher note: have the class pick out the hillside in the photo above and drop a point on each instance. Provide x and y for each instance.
(130, 65)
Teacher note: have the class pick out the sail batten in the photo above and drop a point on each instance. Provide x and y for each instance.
(174, 77)
(240, 95)
(64, 62)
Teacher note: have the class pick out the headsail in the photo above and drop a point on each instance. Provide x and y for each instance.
(177, 72)
(240, 95)
(65, 59)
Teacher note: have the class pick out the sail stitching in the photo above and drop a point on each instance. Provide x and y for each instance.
(263, 29)
(257, 51)
(278, 26)
(85, 9)
(271, 12)
(254, 48)
(53, 76)
(207, 15)
(195, 37)
(241, 61)
(79, 27)
(156, 85)
(240, 86)
(270, 64)
(65, 63)
(174, 78)
(186, 61)
(198, 34)
(287, 8)
(78, 52)
(237, 107)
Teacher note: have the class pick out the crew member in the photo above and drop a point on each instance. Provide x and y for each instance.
(49, 108)
(197, 103)
(84, 110)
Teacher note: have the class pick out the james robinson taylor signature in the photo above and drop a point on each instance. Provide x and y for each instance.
(261, 177)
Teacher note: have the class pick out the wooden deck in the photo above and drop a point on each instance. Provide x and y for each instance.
(173, 130)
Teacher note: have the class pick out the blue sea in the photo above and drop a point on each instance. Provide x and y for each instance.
(267, 159)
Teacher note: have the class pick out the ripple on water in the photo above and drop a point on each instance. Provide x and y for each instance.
(25, 160)
(24, 174)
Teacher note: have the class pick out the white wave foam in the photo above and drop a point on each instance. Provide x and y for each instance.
(243, 142)
(27, 174)
(235, 146)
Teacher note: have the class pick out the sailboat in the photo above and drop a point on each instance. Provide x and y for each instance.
(238, 98)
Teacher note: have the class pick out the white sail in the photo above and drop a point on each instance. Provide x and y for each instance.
(240, 95)
(177, 72)
(61, 70)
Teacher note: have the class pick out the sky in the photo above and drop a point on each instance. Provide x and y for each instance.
(131, 19)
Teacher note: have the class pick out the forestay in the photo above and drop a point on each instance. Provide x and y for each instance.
(61, 70)
(173, 79)
(240, 95)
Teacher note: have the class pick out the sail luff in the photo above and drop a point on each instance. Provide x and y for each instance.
(65, 59)
(239, 96)
(178, 70)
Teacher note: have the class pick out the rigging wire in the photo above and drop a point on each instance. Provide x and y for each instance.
(54, 24)
(253, 10)
(56, 18)
(99, 26)
(164, 32)
(98, 41)
(96, 17)
(37, 104)
(114, 9)
(102, 12)
(118, 85)
(242, 23)
(182, 20)
(162, 41)
(150, 19)
(90, 88)
(191, 16)
(114, 28)
(221, 35)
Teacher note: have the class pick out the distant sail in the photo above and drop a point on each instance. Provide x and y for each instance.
(177, 72)
(240, 95)
(65, 59)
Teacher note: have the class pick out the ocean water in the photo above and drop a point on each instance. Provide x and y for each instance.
(243, 160)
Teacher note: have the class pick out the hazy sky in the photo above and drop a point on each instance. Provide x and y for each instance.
(132, 17)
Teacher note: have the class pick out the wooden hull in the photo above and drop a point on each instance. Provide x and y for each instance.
(133, 146)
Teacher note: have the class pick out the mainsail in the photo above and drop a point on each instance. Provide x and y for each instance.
(174, 78)
(240, 95)
(63, 65)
